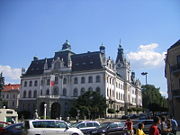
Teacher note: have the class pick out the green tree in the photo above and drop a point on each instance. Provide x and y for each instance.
(90, 102)
(152, 99)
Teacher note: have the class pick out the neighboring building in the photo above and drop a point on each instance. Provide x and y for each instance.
(11, 94)
(172, 73)
(74, 75)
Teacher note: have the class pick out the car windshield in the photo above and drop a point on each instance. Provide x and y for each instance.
(75, 124)
(103, 125)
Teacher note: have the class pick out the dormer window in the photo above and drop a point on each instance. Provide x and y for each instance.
(57, 65)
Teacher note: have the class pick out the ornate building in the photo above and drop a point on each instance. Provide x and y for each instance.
(74, 75)
(172, 73)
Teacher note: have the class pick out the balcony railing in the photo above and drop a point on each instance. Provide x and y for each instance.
(50, 96)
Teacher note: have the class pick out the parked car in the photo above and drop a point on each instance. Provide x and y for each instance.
(14, 129)
(85, 126)
(109, 128)
(2, 126)
(49, 127)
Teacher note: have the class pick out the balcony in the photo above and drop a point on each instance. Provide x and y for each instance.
(175, 69)
(50, 96)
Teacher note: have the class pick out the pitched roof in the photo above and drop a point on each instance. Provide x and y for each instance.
(80, 62)
(11, 87)
(86, 61)
(175, 44)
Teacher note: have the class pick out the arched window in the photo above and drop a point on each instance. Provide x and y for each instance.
(25, 84)
(56, 91)
(64, 92)
(107, 92)
(64, 81)
(82, 79)
(75, 80)
(36, 83)
(29, 95)
(56, 80)
(98, 90)
(35, 94)
(90, 79)
(30, 83)
(48, 82)
(98, 78)
(24, 94)
(47, 92)
(90, 89)
(82, 91)
(75, 92)
(42, 82)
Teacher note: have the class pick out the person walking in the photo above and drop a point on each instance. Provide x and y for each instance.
(129, 126)
(165, 126)
(154, 128)
(174, 125)
(140, 129)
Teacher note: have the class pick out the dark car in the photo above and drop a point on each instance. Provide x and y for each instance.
(14, 129)
(147, 125)
(86, 126)
(109, 128)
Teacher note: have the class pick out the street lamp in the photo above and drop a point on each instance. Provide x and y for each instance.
(145, 73)
(45, 106)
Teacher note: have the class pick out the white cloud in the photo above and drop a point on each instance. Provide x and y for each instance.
(10, 74)
(163, 93)
(147, 57)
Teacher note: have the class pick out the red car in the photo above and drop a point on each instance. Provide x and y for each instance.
(2, 125)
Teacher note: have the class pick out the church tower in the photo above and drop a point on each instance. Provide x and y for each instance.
(122, 65)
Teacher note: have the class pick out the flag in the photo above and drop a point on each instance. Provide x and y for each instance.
(52, 80)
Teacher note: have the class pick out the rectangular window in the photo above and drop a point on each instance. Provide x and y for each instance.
(178, 59)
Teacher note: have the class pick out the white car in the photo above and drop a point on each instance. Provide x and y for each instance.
(49, 127)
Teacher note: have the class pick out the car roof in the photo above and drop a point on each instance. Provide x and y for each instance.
(44, 120)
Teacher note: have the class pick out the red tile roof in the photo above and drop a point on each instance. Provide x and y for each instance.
(10, 87)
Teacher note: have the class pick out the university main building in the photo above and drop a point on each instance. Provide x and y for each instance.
(74, 75)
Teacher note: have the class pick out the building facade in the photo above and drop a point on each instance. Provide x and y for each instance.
(11, 94)
(172, 73)
(74, 75)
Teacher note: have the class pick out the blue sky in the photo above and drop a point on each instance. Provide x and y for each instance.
(31, 28)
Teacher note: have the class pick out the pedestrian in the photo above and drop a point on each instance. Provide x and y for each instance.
(129, 126)
(154, 128)
(174, 125)
(169, 127)
(140, 129)
(165, 126)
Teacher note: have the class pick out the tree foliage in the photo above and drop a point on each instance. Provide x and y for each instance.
(90, 104)
(152, 99)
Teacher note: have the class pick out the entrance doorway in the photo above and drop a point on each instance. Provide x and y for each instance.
(55, 110)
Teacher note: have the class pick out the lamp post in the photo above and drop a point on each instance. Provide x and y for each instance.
(145, 73)
(45, 106)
